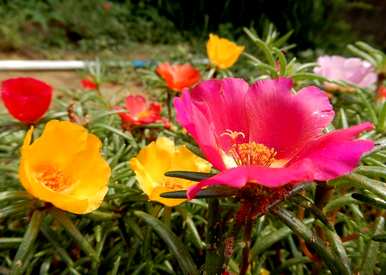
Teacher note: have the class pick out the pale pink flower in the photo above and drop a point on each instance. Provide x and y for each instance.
(353, 70)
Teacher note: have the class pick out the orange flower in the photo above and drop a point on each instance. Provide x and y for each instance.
(178, 76)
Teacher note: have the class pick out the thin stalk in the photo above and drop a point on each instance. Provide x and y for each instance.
(123, 231)
(215, 246)
(169, 104)
(247, 242)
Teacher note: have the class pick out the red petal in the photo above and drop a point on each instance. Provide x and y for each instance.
(27, 99)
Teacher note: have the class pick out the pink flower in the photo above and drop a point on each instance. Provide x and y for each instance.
(267, 135)
(353, 70)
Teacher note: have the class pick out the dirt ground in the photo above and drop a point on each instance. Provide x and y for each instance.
(57, 79)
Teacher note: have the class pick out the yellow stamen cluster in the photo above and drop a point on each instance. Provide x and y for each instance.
(53, 178)
(252, 153)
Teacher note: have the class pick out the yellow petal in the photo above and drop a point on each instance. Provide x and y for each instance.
(155, 196)
(64, 167)
(154, 160)
(222, 52)
(58, 144)
(157, 156)
(90, 173)
(38, 190)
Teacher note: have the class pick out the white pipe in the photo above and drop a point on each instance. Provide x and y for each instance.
(16, 65)
(42, 65)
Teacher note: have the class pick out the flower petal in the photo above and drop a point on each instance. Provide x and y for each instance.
(336, 153)
(285, 121)
(38, 190)
(178, 76)
(91, 176)
(52, 149)
(135, 104)
(269, 177)
(27, 99)
(156, 159)
(203, 112)
(331, 156)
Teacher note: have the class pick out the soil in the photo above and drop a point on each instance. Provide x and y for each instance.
(57, 79)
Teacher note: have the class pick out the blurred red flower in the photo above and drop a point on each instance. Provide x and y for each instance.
(107, 6)
(27, 99)
(88, 84)
(178, 76)
(381, 93)
(139, 111)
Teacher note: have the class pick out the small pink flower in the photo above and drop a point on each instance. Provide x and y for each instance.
(265, 134)
(352, 70)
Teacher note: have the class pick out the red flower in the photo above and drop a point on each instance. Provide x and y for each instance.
(381, 93)
(178, 76)
(88, 84)
(139, 111)
(27, 99)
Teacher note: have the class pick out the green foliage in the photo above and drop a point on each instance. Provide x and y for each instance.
(84, 25)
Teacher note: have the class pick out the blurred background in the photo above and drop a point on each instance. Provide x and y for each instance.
(60, 28)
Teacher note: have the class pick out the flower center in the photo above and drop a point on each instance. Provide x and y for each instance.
(53, 179)
(250, 153)
(172, 185)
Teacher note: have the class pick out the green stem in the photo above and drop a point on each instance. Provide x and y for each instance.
(373, 250)
(215, 246)
(27, 242)
(382, 118)
(123, 231)
(69, 226)
(169, 105)
(247, 242)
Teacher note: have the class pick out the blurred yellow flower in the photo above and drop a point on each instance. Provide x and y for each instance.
(154, 160)
(64, 167)
(263, 271)
(221, 52)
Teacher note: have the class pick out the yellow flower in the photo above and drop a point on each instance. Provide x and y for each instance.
(154, 160)
(64, 167)
(263, 271)
(221, 52)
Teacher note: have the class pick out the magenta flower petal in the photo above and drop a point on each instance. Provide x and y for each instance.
(331, 156)
(203, 112)
(285, 121)
(270, 177)
(336, 153)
